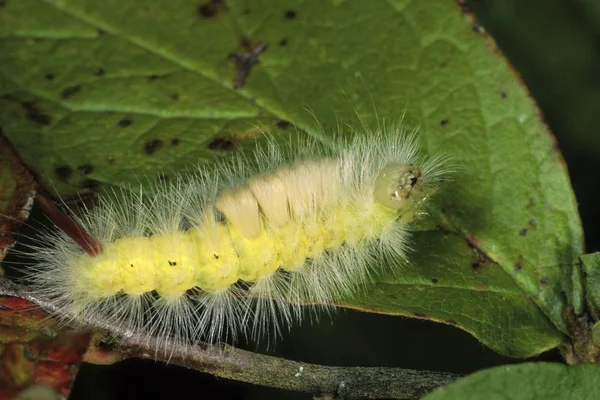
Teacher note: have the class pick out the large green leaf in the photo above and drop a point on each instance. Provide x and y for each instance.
(526, 381)
(106, 91)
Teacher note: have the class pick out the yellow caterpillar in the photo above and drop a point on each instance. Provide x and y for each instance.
(239, 247)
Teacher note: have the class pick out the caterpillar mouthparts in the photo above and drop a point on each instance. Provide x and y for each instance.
(240, 248)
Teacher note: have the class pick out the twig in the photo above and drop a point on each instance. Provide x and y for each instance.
(229, 362)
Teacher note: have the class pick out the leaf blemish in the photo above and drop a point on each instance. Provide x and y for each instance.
(35, 115)
(523, 232)
(211, 8)
(124, 123)
(419, 315)
(503, 94)
(153, 145)
(49, 76)
(244, 62)
(282, 124)
(480, 258)
(70, 91)
(99, 72)
(63, 172)
(222, 144)
(245, 43)
(519, 264)
(2, 3)
(290, 14)
(444, 122)
(543, 281)
(434, 280)
(175, 141)
(532, 223)
(283, 42)
(175, 96)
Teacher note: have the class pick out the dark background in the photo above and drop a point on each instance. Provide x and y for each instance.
(555, 45)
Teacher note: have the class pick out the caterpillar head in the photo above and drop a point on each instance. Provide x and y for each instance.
(397, 186)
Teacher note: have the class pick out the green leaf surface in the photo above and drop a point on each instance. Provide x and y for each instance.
(591, 269)
(533, 381)
(449, 282)
(103, 92)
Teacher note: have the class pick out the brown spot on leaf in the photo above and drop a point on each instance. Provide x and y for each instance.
(34, 113)
(211, 8)
(99, 72)
(226, 144)
(49, 76)
(532, 223)
(153, 146)
(517, 267)
(175, 141)
(244, 63)
(283, 42)
(544, 281)
(503, 94)
(245, 43)
(444, 122)
(63, 172)
(434, 280)
(290, 14)
(175, 97)
(70, 91)
(282, 124)
(480, 257)
(482, 287)
(419, 315)
(523, 232)
(519, 264)
(124, 123)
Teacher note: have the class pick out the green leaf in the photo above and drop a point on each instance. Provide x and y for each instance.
(533, 381)
(591, 269)
(448, 281)
(102, 92)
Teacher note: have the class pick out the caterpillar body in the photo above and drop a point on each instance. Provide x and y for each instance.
(240, 247)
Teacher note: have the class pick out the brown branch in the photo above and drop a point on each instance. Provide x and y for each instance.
(229, 362)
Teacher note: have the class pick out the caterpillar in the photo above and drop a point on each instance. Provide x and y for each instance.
(244, 246)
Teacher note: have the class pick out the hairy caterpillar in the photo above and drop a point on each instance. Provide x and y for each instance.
(240, 247)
